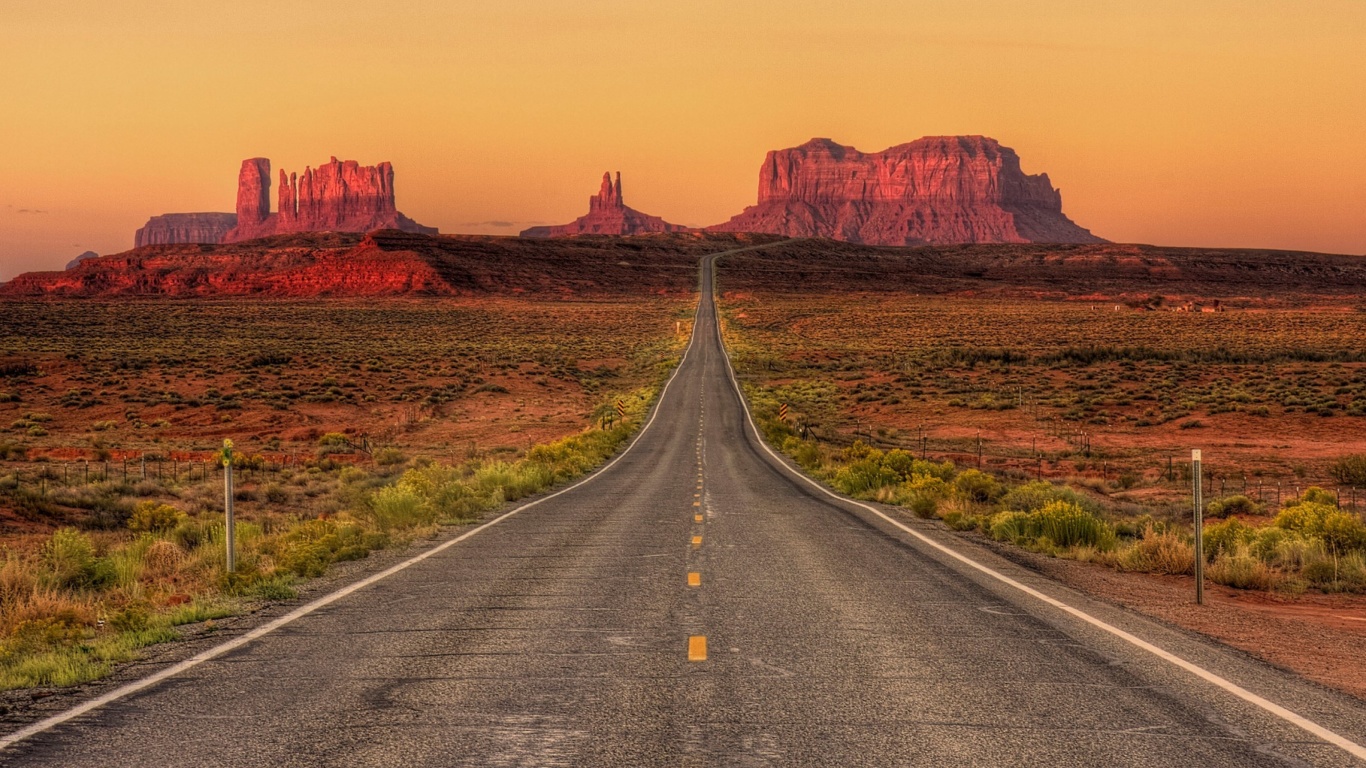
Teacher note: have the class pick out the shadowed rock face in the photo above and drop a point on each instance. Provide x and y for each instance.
(86, 256)
(607, 215)
(336, 197)
(170, 228)
(936, 190)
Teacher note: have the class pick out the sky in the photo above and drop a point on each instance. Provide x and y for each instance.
(1232, 124)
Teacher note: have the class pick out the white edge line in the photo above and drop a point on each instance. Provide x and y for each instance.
(46, 724)
(1312, 727)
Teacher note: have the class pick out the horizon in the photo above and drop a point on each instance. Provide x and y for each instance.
(1168, 126)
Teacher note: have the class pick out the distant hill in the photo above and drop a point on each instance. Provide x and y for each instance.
(394, 263)
(388, 263)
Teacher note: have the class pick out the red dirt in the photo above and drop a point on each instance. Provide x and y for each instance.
(1322, 637)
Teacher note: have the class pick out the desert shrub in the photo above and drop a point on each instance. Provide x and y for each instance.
(401, 506)
(151, 516)
(907, 466)
(865, 476)
(310, 547)
(269, 358)
(1010, 526)
(1305, 517)
(923, 494)
(387, 457)
(1227, 537)
(806, 453)
(1059, 524)
(134, 617)
(1038, 494)
(1233, 505)
(499, 482)
(162, 558)
(63, 629)
(1240, 569)
(977, 486)
(275, 494)
(71, 563)
(1343, 531)
(1159, 550)
(1350, 470)
(1068, 525)
(333, 442)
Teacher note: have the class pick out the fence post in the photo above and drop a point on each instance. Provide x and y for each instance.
(227, 504)
(1199, 532)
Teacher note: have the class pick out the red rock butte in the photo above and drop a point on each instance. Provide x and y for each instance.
(607, 215)
(339, 196)
(936, 190)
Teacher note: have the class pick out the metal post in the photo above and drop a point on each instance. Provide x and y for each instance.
(1199, 529)
(227, 505)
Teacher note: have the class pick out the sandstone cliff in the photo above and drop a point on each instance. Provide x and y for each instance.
(171, 228)
(335, 197)
(936, 190)
(607, 215)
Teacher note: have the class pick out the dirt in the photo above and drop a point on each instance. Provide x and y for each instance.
(1320, 637)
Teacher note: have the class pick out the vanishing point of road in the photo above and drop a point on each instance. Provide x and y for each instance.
(698, 603)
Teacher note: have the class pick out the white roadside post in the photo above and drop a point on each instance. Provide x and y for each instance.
(227, 504)
(1199, 529)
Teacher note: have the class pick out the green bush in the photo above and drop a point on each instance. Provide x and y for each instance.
(148, 516)
(1233, 505)
(71, 563)
(1305, 517)
(387, 457)
(401, 506)
(1060, 524)
(1067, 525)
(977, 486)
(1038, 494)
(1350, 470)
(1239, 569)
(1159, 550)
(1228, 537)
(865, 476)
(1343, 532)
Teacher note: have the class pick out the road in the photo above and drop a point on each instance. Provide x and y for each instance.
(695, 603)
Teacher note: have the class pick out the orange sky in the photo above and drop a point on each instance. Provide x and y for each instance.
(1211, 123)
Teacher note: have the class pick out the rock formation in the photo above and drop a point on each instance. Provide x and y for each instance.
(336, 197)
(607, 215)
(170, 228)
(935, 190)
(87, 256)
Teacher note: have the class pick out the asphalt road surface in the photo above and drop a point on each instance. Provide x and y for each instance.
(697, 604)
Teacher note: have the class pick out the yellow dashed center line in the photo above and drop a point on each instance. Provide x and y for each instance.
(697, 541)
(697, 648)
(697, 503)
(697, 518)
(694, 579)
